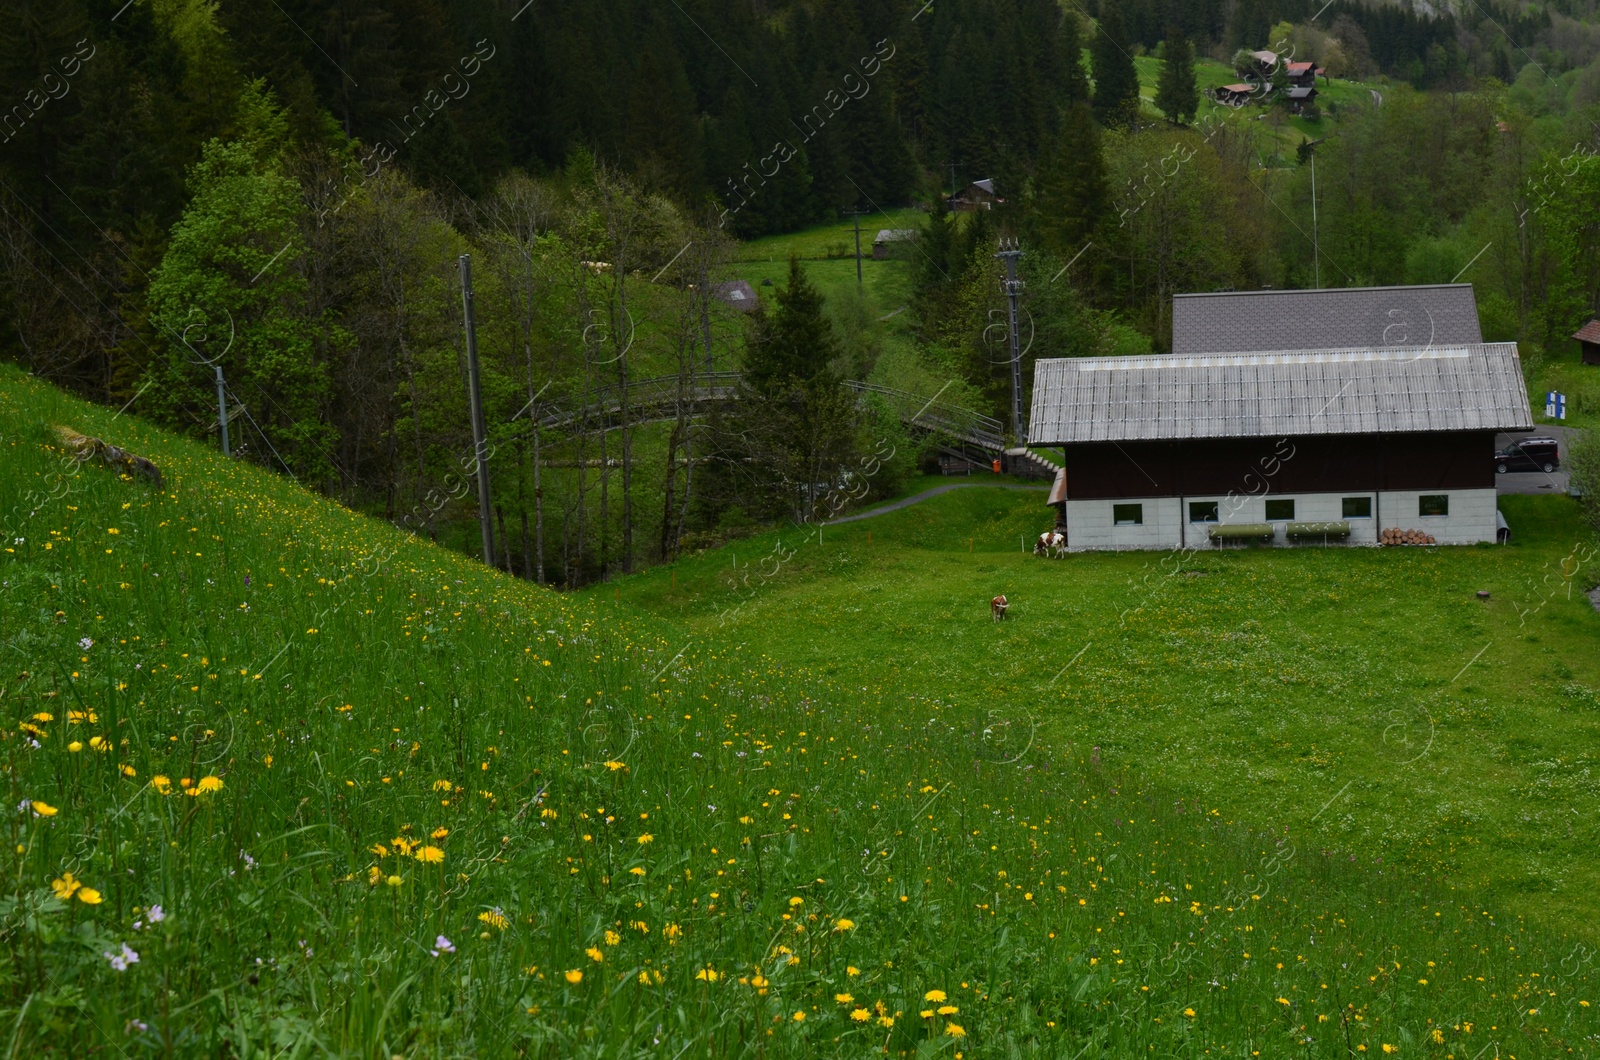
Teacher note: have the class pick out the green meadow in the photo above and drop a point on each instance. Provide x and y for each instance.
(284, 781)
(1364, 700)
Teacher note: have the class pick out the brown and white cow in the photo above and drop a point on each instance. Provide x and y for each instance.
(997, 608)
(1051, 543)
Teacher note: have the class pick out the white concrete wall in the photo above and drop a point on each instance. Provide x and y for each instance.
(1090, 524)
(1471, 517)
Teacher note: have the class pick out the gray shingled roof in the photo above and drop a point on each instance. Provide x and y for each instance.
(1328, 318)
(1296, 392)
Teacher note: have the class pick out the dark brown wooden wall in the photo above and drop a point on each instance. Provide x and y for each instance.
(1318, 464)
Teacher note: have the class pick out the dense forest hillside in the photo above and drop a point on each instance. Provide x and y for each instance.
(281, 192)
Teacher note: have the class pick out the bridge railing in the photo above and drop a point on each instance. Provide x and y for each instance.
(663, 392)
(958, 422)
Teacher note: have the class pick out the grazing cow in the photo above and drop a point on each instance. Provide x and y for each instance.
(997, 608)
(1051, 543)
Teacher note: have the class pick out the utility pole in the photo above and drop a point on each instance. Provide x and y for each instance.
(475, 393)
(222, 411)
(1010, 251)
(856, 212)
(1316, 247)
(953, 166)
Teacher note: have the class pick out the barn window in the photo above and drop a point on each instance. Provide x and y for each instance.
(1433, 504)
(1280, 511)
(1356, 508)
(1127, 514)
(1203, 511)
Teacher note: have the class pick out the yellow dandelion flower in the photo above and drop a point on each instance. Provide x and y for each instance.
(439, 833)
(43, 809)
(574, 975)
(799, 1017)
(75, 746)
(646, 838)
(495, 919)
(162, 784)
(843, 999)
(948, 1010)
(129, 771)
(955, 1030)
(844, 924)
(44, 716)
(637, 870)
(429, 855)
(851, 969)
(595, 954)
(374, 876)
(442, 785)
(710, 975)
(796, 900)
(926, 1013)
(614, 766)
(886, 1021)
(934, 995)
(206, 786)
(612, 938)
(379, 849)
(1189, 1012)
(860, 1015)
(394, 881)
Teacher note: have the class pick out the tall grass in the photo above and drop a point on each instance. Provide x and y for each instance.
(391, 804)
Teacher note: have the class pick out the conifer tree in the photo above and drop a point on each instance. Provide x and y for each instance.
(1177, 96)
(1075, 81)
(1116, 79)
(1071, 195)
(795, 343)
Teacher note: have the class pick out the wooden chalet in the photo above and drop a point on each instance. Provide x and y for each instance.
(979, 195)
(1287, 416)
(1304, 74)
(1265, 63)
(1235, 95)
(1589, 337)
(893, 242)
(1301, 97)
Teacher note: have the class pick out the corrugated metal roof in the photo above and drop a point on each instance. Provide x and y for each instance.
(1475, 387)
(1327, 318)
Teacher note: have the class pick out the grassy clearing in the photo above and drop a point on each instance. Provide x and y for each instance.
(1338, 693)
(1276, 146)
(435, 812)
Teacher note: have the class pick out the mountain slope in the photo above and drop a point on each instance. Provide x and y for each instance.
(389, 803)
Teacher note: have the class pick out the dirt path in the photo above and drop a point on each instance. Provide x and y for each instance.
(925, 494)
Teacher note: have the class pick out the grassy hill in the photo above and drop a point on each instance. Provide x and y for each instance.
(1276, 140)
(1360, 699)
(391, 803)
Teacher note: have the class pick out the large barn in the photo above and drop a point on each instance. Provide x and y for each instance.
(1327, 415)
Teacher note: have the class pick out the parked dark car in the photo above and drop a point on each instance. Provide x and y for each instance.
(1530, 454)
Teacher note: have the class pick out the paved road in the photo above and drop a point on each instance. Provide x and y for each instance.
(925, 494)
(1536, 482)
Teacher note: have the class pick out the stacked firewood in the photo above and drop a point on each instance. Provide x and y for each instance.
(1396, 536)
